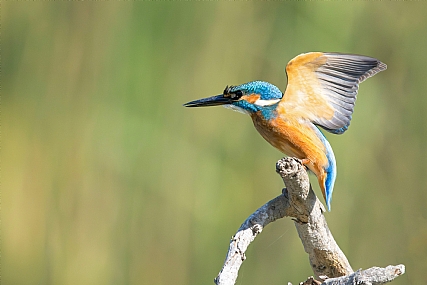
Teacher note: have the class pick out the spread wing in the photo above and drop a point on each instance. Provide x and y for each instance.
(322, 87)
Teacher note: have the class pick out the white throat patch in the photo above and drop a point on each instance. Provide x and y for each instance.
(260, 102)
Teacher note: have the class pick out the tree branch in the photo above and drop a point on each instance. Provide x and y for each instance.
(299, 202)
(371, 276)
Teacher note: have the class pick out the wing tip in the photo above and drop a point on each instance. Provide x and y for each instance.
(377, 65)
(380, 66)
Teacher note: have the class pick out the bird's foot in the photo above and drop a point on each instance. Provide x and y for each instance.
(305, 162)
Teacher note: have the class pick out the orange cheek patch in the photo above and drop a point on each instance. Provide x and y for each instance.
(251, 98)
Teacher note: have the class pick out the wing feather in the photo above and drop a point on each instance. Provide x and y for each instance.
(322, 87)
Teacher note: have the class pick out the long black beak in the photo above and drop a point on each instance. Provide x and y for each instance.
(210, 101)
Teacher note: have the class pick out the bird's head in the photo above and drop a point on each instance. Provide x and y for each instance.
(247, 98)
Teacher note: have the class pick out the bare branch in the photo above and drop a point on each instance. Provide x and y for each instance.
(371, 276)
(326, 258)
(271, 211)
(299, 202)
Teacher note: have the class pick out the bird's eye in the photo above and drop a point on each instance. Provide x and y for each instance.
(236, 95)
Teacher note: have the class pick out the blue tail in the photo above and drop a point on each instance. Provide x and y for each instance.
(331, 169)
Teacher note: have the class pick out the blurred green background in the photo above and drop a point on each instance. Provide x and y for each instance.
(107, 179)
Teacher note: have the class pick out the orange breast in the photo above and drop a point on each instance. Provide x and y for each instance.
(293, 138)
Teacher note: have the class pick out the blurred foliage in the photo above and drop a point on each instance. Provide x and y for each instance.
(107, 179)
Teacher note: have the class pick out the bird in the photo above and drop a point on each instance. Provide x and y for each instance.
(321, 92)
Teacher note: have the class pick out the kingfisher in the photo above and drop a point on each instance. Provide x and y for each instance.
(321, 92)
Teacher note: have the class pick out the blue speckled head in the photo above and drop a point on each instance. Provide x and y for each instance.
(266, 90)
(260, 96)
